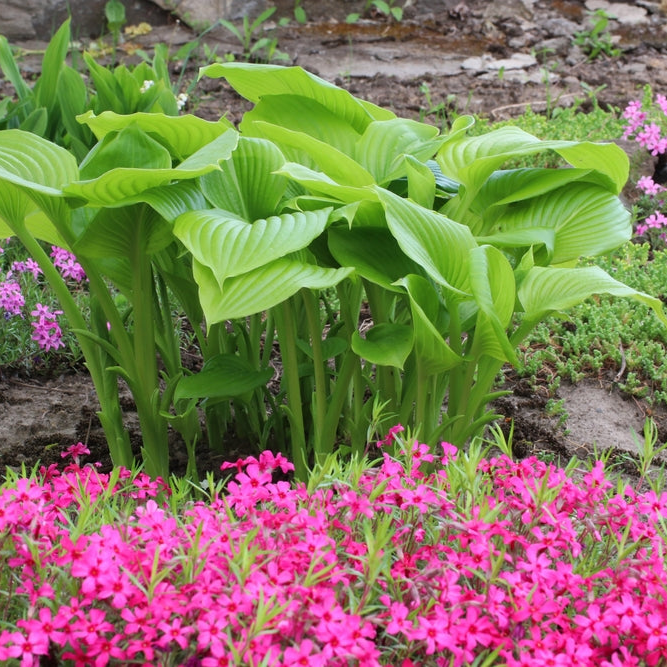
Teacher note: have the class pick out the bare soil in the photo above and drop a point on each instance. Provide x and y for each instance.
(388, 63)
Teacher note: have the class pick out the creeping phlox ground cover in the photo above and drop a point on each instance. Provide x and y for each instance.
(416, 558)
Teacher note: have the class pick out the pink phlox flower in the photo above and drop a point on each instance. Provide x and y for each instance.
(392, 436)
(641, 229)
(66, 263)
(268, 461)
(633, 111)
(174, 631)
(656, 220)
(398, 618)
(305, 654)
(75, 451)
(11, 298)
(649, 136)
(647, 185)
(47, 334)
(355, 504)
(421, 452)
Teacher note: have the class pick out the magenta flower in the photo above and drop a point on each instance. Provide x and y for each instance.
(47, 334)
(66, 263)
(11, 299)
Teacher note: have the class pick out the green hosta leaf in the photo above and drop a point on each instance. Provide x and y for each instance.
(182, 135)
(322, 155)
(302, 115)
(119, 232)
(492, 284)
(438, 244)
(471, 160)
(131, 147)
(255, 81)
(222, 376)
(547, 289)
(123, 186)
(587, 220)
(176, 199)
(245, 183)
(35, 163)
(229, 246)
(430, 347)
(321, 184)
(261, 288)
(40, 169)
(373, 252)
(382, 147)
(421, 182)
(385, 344)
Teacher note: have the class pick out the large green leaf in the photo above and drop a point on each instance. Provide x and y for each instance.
(321, 184)
(385, 344)
(303, 115)
(120, 232)
(35, 163)
(587, 220)
(547, 289)
(255, 81)
(122, 186)
(421, 182)
(40, 169)
(320, 154)
(438, 244)
(382, 147)
(505, 187)
(183, 135)
(245, 183)
(230, 247)
(373, 252)
(222, 376)
(130, 148)
(430, 347)
(492, 284)
(261, 288)
(471, 160)
(177, 198)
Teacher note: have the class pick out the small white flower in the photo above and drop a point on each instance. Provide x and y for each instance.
(181, 101)
(146, 85)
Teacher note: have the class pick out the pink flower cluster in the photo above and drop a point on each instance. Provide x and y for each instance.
(47, 332)
(11, 298)
(66, 263)
(649, 135)
(397, 565)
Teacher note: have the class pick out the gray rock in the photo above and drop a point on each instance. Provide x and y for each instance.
(623, 13)
(39, 19)
(201, 14)
(560, 27)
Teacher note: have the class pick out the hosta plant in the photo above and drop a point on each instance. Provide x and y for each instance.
(320, 207)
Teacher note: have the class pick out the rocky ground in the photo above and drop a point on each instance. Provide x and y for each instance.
(482, 56)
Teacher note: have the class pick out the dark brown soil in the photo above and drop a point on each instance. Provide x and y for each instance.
(388, 63)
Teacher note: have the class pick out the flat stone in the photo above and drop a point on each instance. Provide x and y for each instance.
(623, 13)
